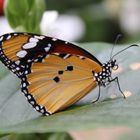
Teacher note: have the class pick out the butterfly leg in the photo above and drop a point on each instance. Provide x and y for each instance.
(98, 95)
(117, 80)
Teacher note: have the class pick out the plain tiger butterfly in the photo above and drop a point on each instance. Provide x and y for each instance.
(54, 73)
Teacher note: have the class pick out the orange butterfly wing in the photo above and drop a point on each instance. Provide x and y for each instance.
(57, 82)
(16, 50)
(13, 45)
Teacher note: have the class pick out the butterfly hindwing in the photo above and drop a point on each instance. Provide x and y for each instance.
(59, 81)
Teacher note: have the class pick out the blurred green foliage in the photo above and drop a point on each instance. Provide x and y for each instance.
(99, 25)
(25, 15)
(64, 6)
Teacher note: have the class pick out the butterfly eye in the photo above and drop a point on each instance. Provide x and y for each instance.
(115, 67)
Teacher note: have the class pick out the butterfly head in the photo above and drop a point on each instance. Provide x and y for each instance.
(113, 64)
(104, 77)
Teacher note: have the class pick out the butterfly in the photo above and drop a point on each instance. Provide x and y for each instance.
(54, 73)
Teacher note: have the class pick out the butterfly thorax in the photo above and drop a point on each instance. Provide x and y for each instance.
(104, 77)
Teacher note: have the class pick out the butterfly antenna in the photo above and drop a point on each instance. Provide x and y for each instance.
(116, 40)
(133, 45)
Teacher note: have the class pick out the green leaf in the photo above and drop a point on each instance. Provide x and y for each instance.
(25, 15)
(3, 135)
(17, 116)
(130, 136)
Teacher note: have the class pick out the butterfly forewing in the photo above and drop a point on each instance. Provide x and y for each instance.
(18, 50)
(59, 81)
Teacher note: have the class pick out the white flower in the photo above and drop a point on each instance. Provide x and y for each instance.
(65, 27)
(4, 26)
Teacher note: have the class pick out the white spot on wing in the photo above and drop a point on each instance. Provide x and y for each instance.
(25, 92)
(29, 45)
(54, 39)
(66, 56)
(33, 40)
(24, 85)
(47, 49)
(26, 72)
(21, 54)
(49, 45)
(29, 60)
(39, 37)
(37, 108)
(13, 70)
(36, 60)
(17, 68)
(32, 102)
(56, 53)
(29, 97)
(42, 110)
(9, 36)
(17, 62)
(47, 114)
(81, 57)
(1, 38)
